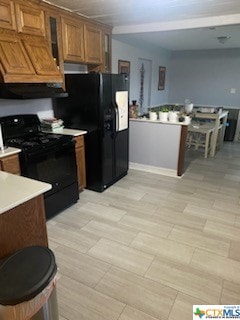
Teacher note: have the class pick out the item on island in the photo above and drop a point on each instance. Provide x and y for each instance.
(173, 116)
(133, 110)
(152, 116)
(187, 119)
(188, 107)
(181, 118)
(163, 115)
(207, 110)
(51, 123)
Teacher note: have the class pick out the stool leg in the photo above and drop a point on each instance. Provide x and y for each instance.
(206, 144)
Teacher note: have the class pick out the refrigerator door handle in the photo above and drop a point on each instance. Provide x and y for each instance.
(116, 116)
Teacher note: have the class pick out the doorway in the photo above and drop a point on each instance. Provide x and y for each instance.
(145, 84)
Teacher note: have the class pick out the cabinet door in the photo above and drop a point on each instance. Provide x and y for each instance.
(7, 16)
(107, 51)
(80, 159)
(13, 58)
(27, 60)
(41, 57)
(23, 226)
(93, 44)
(30, 20)
(73, 44)
(54, 37)
(10, 164)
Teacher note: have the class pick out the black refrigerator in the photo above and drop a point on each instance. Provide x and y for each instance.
(98, 103)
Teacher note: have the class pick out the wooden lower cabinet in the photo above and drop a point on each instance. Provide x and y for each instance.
(80, 157)
(10, 164)
(23, 226)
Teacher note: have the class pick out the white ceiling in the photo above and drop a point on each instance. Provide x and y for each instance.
(170, 24)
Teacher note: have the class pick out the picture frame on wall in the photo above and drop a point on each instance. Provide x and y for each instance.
(124, 67)
(161, 80)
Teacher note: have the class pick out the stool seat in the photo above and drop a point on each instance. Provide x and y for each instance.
(25, 273)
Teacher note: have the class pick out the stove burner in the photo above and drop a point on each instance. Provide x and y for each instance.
(17, 141)
(29, 144)
(39, 139)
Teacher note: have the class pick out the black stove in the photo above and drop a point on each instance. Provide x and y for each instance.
(46, 157)
(37, 141)
(24, 132)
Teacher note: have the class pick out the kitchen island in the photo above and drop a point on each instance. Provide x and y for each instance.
(157, 147)
(22, 213)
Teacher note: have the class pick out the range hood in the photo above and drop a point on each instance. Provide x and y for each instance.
(31, 91)
(27, 68)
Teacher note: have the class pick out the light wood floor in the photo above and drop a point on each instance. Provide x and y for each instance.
(151, 246)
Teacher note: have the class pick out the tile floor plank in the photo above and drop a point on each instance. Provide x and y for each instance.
(227, 269)
(200, 240)
(143, 294)
(145, 224)
(80, 267)
(186, 279)
(130, 313)
(183, 307)
(163, 248)
(72, 237)
(230, 293)
(111, 231)
(77, 301)
(121, 256)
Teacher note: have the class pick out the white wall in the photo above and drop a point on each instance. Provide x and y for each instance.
(42, 107)
(205, 77)
(124, 51)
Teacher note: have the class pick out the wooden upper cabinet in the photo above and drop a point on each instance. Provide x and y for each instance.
(27, 59)
(73, 41)
(93, 44)
(13, 58)
(7, 15)
(40, 57)
(30, 20)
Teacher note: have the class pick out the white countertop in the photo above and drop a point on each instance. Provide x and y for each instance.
(158, 121)
(71, 132)
(15, 190)
(8, 152)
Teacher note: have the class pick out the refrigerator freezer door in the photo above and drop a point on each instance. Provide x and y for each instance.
(122, 112)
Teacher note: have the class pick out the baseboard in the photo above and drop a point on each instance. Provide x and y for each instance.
(152, 169)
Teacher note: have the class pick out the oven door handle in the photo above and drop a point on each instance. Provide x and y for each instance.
(51, 149)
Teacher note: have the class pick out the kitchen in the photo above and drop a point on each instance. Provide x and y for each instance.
(90, 242)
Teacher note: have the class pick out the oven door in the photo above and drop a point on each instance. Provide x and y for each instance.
(55, 165)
